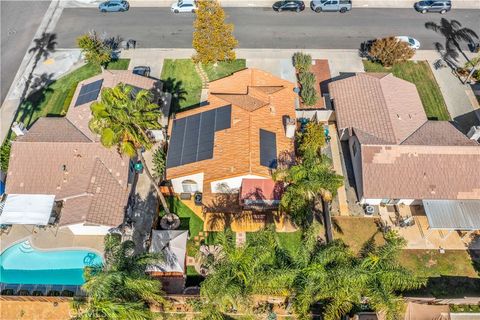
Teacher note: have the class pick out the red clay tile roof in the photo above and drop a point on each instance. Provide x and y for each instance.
(92, 180)
(237, 149)
(421, 172)
(260, 189)
(80, 115)
(381, 105)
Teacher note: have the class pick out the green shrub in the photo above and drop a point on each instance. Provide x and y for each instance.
(159, 162)
(5, 155)
(309, 96)
(302, 61)
(307, 79)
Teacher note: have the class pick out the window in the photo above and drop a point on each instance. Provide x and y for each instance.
(334, 2)
(189, 186)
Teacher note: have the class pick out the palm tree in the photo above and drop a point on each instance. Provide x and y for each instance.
(333, 275)
(119, 288)
(312, 179)
(122, 119)
(241, 272)
(454, 34)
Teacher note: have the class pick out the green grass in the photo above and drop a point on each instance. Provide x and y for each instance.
(120, 64)
(191, 271)
(223, 69)
(189, 221)
(419, 73)
(432, 263)
(290, 241)
(180, 78)
(54, 99)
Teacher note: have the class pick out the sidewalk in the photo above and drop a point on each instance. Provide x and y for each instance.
(457, 4)
(456, 95)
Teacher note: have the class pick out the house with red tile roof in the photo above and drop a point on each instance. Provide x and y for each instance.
(401, 157)
(235, 140)
(62, 157)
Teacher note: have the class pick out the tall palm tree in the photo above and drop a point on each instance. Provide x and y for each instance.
(241, 272)
(122, 119)
(454, 33)
(119, 288)
(308, 182)
(332, 274)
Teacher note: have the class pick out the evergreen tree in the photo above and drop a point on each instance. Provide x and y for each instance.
(213, 38)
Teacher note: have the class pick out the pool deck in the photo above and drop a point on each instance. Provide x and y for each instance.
(50, 238)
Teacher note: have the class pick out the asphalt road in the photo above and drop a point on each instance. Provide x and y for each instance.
(261, 27)
(19, 22)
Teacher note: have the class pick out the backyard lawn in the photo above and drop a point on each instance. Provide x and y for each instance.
(356, 231)
(189, 221)
(54, 99)
(182, 80)
(419, 73)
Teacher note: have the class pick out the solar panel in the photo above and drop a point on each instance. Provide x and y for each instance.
(193, 137)
(268, 149)
(89, 92)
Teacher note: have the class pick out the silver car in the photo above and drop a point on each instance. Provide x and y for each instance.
(433, 6)
(331, 5)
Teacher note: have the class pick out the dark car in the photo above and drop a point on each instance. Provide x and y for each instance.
(433, 6)
(142, 71)
(113, 6)
(289, 6)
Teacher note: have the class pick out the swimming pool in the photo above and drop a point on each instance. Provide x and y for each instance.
(22, 264)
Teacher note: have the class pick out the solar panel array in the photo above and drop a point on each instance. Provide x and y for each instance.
(89, 92)
(193, 137)
(268, 149)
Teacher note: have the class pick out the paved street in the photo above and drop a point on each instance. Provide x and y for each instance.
(261, 27)
(20, 20)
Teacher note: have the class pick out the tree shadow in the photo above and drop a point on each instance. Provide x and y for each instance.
(454, 35)
(44, 47)
(178, 92)
(39, 87)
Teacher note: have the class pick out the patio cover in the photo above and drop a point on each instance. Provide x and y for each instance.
(173, 245)
(453, 214)
(31, 209)
(260, 191)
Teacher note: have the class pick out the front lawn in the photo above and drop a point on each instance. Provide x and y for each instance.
(182, 81)
(223, 69)
(419, 73)
(55, 98)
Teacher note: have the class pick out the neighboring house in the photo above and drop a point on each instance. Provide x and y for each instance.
(91, 183)
(61, 157)
(88, 91)
(237, 138)
(401, 157)
(171, 270)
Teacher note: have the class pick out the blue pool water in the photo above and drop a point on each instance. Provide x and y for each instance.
(22, 264)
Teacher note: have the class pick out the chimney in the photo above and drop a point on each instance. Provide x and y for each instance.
(474, 133)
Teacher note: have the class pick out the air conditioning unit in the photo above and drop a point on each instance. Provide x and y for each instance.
(369, 210)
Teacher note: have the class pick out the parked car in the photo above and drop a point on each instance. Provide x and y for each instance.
(412, 42)
(184, 6)
(331, 5)
(297, 6)
(113, 6)
(142, 71)
(433, 6)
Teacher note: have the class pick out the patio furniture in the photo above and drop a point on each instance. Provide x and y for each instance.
(198, 198)
(170, 222)
(407, 222)
(185, 196)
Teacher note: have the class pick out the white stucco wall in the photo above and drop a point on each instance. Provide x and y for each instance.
(230, 184)
(177, 182)
(80, 229)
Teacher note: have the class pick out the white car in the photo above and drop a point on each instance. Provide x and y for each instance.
(412, 42)
(184, 6)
